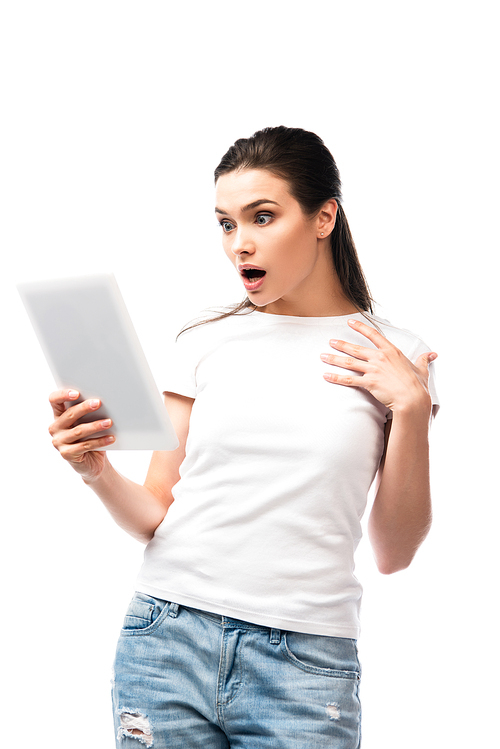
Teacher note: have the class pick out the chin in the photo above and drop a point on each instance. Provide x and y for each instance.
(261, 303)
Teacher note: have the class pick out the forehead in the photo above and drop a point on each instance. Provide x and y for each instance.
(239, 188)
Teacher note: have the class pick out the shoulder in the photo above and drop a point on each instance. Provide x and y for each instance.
(213, 322)
(411, 344)
(205, 332)
(199, 339)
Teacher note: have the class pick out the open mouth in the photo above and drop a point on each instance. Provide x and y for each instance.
(253, 278)
(252, 274)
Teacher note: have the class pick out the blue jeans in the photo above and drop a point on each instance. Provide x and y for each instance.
(189, 679)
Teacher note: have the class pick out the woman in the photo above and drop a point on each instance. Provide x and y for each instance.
(243, 630)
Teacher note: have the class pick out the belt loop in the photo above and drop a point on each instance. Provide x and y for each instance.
(173, 610)
(275, 636)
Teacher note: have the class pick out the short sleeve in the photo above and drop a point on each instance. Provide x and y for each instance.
(421, 348)
(180, 366)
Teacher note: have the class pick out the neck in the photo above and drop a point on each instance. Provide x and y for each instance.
(334, 308)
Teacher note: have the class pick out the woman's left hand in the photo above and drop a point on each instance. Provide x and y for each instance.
(384, 371)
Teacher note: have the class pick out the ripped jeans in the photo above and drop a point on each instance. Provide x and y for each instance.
(189, 679)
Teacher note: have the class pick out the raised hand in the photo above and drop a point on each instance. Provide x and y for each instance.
(385, 371)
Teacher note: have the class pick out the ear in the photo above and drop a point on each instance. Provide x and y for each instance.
(325, 220)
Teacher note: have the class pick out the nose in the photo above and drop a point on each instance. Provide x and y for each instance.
(242, 243)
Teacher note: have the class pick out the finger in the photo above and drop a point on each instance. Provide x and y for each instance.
(78, 411)
(375, 337)
(67, 418)
(76, 453)
(347, 380)
(83, 432)
(346, 362)
(58, 398)
(360, 352)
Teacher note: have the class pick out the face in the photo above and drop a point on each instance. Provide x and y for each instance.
(270, 241)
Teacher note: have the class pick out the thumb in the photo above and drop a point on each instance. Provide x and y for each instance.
(425, 359)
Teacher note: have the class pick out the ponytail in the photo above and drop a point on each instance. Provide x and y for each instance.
(347, 265)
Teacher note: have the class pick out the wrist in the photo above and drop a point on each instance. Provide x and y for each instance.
(418, 409)
(99, 474)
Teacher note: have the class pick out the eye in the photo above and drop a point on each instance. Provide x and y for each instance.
(263, 219)
(227, 226)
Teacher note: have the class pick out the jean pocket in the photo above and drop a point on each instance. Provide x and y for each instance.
(326, 656)
(143, 612)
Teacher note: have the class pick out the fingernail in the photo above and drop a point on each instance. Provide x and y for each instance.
(94, 403)
(106, 423)
(73, 394)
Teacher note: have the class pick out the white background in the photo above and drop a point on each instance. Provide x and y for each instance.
(114, 115)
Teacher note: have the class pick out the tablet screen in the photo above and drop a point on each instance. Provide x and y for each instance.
(90, 345)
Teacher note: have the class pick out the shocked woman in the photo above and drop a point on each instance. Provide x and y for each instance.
(243, 629)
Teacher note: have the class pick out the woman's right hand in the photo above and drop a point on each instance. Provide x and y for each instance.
(76, 443)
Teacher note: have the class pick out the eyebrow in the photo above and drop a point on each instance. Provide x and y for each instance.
(250, 206)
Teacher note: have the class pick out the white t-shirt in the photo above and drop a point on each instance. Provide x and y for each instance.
(266, 517)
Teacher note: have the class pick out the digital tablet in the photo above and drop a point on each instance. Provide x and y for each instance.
(90, 344)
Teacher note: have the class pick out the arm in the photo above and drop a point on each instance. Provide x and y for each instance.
(401, 514)
(137, 509)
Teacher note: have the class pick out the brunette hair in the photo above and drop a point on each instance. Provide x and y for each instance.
(301, 159)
